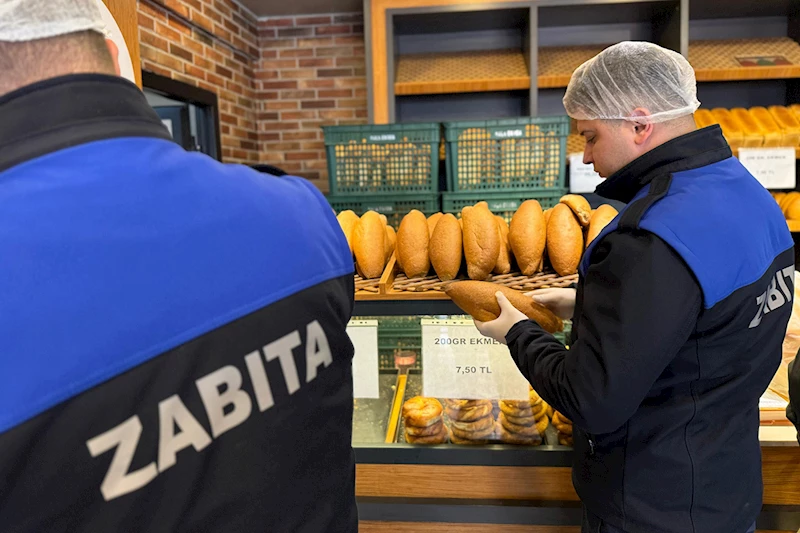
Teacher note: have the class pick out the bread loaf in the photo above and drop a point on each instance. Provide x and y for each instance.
(778, 196)
(704, 118)
(369, 236)
(753, 137)
(600, 219)
(789, 124)
(481, 241)
(788, 199)
(792, 211)
(391, 242)
(432, 220)
(445, 247)
(527, 236)
(477, 298)
(773, 136)
(580, 206)
(503, 265)
(412, 244)
(384, 219)
(730, 127)
(347, 221)
(564, 241)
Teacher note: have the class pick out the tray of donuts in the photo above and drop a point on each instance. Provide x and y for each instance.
(430, 421)
(539, 248)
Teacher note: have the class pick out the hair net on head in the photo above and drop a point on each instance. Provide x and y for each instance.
(28, 20)
(629, 75)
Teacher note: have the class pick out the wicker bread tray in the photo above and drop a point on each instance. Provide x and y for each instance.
(514, 281)
(367, 285)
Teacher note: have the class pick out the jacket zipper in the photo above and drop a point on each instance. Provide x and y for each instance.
(591, 444)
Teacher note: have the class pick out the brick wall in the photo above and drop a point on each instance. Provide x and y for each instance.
(212, 44)
(311, 73)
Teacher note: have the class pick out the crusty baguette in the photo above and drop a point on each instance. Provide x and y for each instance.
(432, 220)
(347, 221)
(391, 242)
(580, 206)
(564, 240)
(445, 248)
(412, 244)
(503, 265)
(481, 241)
(601, 217)
(369, 236)
(478, 299)
(527, 236)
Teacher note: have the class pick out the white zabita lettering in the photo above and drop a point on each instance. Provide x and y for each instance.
(226, 404)
(779, 292)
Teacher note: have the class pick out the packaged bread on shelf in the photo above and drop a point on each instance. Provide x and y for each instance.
(601, 217)
(704, 118)
(773, 136)
(478, 299)
(369, 246)
(564, 240)
(412, 244)
(481, 241)
(347, 221)
(422, 420)
(469, 421)
(789, 124)
(752, 134)
(731, 129)
(527, 236)
(446, 247)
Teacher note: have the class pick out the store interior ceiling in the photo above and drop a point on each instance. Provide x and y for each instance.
(272, 8)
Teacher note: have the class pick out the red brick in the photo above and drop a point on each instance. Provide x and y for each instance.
(222, 33)
(299, 136)
(203, 63)
(248, 145)
(214, 55)
(359, 102)
(234, 63)
(358, 51)
(145, 21)
(180, 52)
(297, 74)
(312, 146)
(268, 54)
(316, 84)
(359, 72)
(202, 21)
(278, 43)
(195, 4)
(193, 46)
(339, 51)
(194, 71)
(333, 30)
(297, 95)
(297, 52)
(312, 21)
(350, 62)
(211, 13)
(317, 104)
(358, 29)
(216, 80)
(222, 71)
(319, 164)
(361, 113)
(314, 43)
(334, 72)
(282, 105)
(336, 113)
(222, 8)
(202, 37)
(272, 95)
(313, 124)
(349, 18)
(278, 64)
(223, 49)
(145, 37)
(178, 7)
(152, 67)
(279, 85)
(231, 27)
(360, 93)
(268, 116)
(337, 93)
(179, 25)
(169, 61)
(350, 82)
(228, 119)
(300, 156)
(273, 22)
(355, 39)
(267, 75)
(317, 62)
(295, 32)
(267, 33)
(298, 115)
(156, 13)
(280, 126)
(270, 136)
(168, 33)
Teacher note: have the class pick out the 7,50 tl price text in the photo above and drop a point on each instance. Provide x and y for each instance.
(473, 370)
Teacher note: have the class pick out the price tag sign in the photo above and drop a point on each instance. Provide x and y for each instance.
(582, 177)
(461, 363)
(364, 336)
(774, 168)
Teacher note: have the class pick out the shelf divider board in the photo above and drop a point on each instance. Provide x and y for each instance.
(460, 72)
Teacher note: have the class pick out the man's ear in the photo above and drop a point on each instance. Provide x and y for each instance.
(114, 51)
(643, 128)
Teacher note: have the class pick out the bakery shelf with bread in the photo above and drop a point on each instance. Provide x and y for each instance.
(517, 154)
(757, 127)
(396, 159)
(461, 72)
(394, 208)
(789, 203)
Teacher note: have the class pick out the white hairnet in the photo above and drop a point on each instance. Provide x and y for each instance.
(28, 20)
(629, 75)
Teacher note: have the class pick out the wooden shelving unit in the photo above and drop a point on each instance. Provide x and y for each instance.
(557, 63)
(461, 72)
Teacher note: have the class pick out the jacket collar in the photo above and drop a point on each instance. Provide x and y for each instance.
(692, 150)
(70, 110)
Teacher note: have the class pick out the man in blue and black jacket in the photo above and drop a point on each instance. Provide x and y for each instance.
(174, 348)
(680, 311)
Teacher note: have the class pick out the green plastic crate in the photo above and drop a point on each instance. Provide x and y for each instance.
(394, 207)
(504, 204)
(383, 159)
(528, 153)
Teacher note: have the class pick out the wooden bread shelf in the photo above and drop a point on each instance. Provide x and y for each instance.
(724, 60)
(461, 72)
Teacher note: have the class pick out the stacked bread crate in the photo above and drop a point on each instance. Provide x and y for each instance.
(505, 162)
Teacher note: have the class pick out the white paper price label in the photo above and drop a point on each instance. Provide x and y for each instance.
(774, 168)
(461, 363)
(364, 336)
(582, 177)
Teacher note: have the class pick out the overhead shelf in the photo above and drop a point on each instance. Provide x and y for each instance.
(726, 60)
(461, 72)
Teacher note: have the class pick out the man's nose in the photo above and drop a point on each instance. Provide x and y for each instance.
(587, 155)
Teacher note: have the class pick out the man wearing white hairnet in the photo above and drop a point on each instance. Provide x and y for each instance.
(680, 311)
(174, 346)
